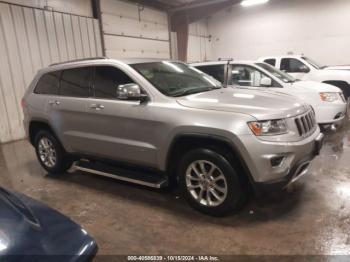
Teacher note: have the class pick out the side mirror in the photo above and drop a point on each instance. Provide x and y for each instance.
(266, 82)
(304, 69)
(130, 92)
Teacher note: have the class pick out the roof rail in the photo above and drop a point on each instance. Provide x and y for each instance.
(79, 60)
(226, 59)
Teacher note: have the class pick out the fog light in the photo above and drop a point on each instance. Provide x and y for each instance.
(276, 161)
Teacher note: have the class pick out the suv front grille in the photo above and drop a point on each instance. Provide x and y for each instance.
(306, 124)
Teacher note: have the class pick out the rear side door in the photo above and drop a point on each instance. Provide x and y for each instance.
(120, 130)
(67, 110)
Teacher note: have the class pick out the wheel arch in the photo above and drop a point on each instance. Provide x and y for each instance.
(184, 142)
(341, 84)
(36, 126)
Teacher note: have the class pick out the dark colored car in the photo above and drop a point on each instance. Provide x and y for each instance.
(31, 231)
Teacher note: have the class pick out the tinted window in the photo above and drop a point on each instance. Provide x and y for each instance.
(216, 71)
(270, 61)
(48, 84)
(107, 79)
(243, 75)
(76, 82)
(292, 65)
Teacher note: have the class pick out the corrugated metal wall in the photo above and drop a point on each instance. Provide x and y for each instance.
(131, 30)
(29, 40)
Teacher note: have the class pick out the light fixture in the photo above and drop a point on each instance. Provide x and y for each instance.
(253, 2)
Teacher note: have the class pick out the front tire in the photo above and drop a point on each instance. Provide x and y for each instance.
(51, 154)
(209, 183)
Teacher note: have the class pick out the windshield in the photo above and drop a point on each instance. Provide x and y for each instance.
(277, 73)
(176, 79)
(313, 63)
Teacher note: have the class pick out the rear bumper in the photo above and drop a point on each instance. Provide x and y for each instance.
(297, 171)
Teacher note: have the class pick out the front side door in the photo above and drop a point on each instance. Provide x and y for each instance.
(295, 67)
(120, 130)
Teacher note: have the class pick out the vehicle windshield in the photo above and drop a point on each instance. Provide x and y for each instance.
(313, 63)
(176, 78)
(277, 73)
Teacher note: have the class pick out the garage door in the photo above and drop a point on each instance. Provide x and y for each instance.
(131, 30)
(29, 40)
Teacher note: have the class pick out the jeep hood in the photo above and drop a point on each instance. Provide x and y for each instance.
(259, 103)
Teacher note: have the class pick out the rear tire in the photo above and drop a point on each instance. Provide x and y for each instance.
(50, 153)
(209, 183)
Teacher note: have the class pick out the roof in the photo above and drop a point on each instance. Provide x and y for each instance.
(224, 62)
(279, 56)
(131, 61)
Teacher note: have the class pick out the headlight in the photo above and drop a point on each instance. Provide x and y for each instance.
(269, 127)
(329, 97)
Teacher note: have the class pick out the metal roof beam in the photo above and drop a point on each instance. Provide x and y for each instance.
(197, 4)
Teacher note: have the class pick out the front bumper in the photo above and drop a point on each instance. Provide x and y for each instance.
(297, 171)
(330, 114)
(295, 159)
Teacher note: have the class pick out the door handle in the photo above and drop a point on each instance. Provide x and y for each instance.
(97, 106)
(54, 102)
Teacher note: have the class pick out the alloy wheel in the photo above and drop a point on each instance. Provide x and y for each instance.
(206, 183)
(47, 152)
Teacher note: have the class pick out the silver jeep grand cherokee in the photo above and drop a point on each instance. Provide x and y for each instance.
(157, 123)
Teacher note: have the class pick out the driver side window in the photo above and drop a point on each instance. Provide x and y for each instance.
(107, 80)
(249, 76)
(292, 65)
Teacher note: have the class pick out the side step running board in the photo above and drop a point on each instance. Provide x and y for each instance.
(137, 177)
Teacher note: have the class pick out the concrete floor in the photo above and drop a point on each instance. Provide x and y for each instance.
(312, 218)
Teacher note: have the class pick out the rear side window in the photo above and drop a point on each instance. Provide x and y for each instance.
(216, 71)
(76, 82)
(48, 84)
(107, 80)
(270, 61)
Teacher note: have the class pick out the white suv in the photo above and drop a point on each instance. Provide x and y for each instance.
(304, 68)
(327, 100)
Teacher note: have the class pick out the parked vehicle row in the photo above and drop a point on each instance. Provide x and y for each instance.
(304, 68)
(327, 101)
(157, 122)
